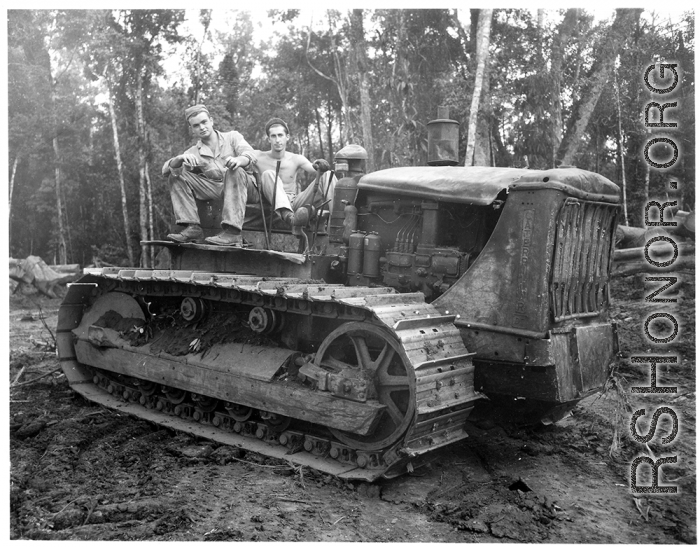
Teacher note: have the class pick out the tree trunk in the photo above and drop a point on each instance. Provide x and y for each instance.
(69, 241)
(340, 132)
(482, 141)
(559, 44)
(12, 185)
(540, 37)
(482, 147)
(143, 192)
(645, 186)
(482, 52)
(366, 118)
(329, 129)
(61, 241)
(9, 207)
(61, 235)
(473, 26)
(120, 173)
(618, 33)
(360, 57)
(149, 202)
(620, 151)
(320, 133)
(400, 88)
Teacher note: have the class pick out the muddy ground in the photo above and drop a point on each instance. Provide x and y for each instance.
(82, 472)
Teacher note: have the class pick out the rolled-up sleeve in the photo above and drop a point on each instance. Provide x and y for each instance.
(241, 147)
(167, 170)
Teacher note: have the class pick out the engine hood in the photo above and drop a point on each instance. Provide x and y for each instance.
(481, 185)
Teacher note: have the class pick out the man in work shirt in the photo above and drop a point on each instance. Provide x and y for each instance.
(213, 167)
(286, 197)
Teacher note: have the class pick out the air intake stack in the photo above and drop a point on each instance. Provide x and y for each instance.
(443, 139)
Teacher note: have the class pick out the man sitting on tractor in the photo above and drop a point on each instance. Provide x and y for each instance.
(220, 164)
(282, 178)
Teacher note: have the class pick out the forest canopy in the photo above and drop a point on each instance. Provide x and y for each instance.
(96, 101)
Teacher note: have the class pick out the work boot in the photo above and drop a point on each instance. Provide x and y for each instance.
(191, 234)
(287, 216)
(303, 215)
(229, 237)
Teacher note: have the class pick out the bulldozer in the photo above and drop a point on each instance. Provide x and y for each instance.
(361, 344)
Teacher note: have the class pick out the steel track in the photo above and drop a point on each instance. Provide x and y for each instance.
(443, 388)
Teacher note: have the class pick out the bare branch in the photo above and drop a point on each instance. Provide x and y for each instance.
(317, 71)
(58, 369)
(43, 322)
(70, 62)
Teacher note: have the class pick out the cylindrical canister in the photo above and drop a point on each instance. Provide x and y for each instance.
(344, 194)
(355, 248)
(373, 247)
(349, 222)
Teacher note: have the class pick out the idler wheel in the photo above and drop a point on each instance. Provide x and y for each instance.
(240, 413)
(174, 395)
(373, 352)
(275, 422)
(204, 403)
(146, 387)
(193, 309)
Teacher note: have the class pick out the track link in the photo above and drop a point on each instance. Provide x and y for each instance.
(441, 371)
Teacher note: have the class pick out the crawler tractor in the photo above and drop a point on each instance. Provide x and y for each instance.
(427, 293)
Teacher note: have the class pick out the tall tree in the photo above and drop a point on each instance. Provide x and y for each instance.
(61, 235)
(615, 38)
(48, 40)
(120, 173)
(360, 61)
(145, 30)
(561, 40)
(339, 71)
(103, 59)
(483, 34)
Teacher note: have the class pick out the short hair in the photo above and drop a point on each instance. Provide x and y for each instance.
(275, 121)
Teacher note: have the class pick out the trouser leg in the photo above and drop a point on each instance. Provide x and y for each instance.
(236, 183)
(187, 187)
(269, 189)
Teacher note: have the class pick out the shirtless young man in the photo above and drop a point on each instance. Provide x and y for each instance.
(287, 199)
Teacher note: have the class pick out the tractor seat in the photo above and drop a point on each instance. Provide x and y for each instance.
(210, 218)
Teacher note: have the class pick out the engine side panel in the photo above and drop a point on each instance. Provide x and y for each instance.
(507, 286)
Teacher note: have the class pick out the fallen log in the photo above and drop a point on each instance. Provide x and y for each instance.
(34, 271)
(630, 268)
(628, 237)
(72, 269)
(658, 251)
(631, 261)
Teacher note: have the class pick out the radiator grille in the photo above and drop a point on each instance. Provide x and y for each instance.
(582, 259)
